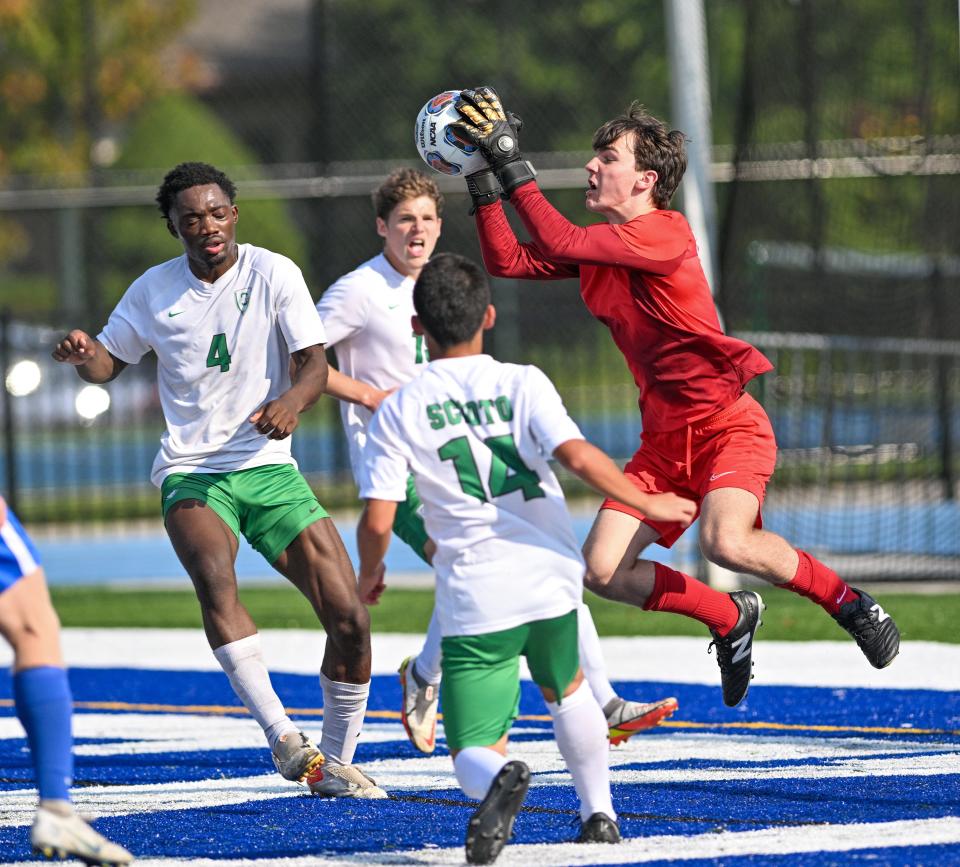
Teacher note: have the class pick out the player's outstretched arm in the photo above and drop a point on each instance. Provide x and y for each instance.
(373, 539)
(344, 387)
(90, 357)
(601, 473)
(496, 133)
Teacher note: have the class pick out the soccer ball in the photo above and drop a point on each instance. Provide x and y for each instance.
(436, 143)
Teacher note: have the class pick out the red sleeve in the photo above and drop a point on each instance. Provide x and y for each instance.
(640, 244)
(505, 256)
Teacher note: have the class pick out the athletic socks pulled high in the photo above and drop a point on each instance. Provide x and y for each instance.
(475, 768)
(427, 666)
(680, 594)
(581, 732)
(591, 657)
(344, 705)
(820, 583)
(44, 706)
(242, 662)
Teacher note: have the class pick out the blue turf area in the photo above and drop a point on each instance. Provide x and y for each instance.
(815, 706)
(797, 760)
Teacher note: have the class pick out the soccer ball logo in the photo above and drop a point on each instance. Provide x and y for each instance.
(437, 145)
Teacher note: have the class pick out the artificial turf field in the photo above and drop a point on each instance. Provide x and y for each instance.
(919, 615)
(826, 762)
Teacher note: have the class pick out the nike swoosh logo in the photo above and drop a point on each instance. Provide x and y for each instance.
(392, 306)
(716, 476)
(173, 313)
(168, 496)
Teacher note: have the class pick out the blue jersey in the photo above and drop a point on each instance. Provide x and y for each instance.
(18, 555)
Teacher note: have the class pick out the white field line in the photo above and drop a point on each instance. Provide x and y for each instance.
(726, 844)
(639, 761)
(920, 665)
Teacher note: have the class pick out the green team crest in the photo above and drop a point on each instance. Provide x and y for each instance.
(242, 297)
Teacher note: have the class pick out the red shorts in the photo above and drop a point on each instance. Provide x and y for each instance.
(734, 448)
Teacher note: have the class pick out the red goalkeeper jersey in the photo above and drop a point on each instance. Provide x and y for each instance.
(643, 280)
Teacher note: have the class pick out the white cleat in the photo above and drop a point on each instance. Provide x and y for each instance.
(626, 718)
(419, 710)
(343, 781)
(68, 836)
(296, 756)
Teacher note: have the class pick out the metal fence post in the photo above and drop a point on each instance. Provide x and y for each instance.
(942, 371)
(9, 428)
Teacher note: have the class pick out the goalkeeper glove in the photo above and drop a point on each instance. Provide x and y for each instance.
(484, 188)
(495, 132)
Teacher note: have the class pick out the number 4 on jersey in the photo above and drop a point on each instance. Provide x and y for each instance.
(508, 472)
(219, 355)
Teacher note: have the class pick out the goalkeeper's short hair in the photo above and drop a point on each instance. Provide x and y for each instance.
(654, 147)
(403, 184)
(451, 296)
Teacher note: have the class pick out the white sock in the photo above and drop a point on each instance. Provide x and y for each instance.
(581, 732)
(344, 705)
(242, 662)
(429, 658)
(475, 768)
(591, 657)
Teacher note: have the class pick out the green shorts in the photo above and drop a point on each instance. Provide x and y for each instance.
(481, 676)
(408, 524)
(270, 505)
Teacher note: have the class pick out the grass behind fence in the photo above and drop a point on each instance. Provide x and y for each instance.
(921, 617)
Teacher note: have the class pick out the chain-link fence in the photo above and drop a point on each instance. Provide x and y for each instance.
(837, 170)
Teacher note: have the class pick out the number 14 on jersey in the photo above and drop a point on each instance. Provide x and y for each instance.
(508, 472)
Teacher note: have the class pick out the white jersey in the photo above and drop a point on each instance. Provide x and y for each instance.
(476, 434)
(223, 351)
(366, 314)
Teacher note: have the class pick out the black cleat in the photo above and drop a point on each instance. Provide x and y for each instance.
(871, 627)
(492, 823)
(734, 650)
(599, 828)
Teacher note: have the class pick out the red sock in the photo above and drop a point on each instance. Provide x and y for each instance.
(680, 594)
(819, 583)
